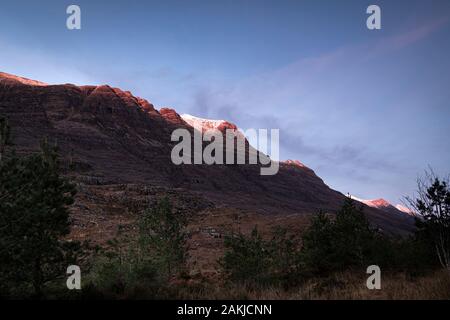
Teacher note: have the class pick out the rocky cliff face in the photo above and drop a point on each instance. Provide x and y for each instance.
(108, 137)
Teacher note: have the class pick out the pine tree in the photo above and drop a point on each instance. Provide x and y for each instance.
(348, 241)
(247, 259)
(354, 236)
(318, 245)
(34, 218)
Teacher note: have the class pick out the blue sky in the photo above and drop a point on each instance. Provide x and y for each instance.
(367, 110)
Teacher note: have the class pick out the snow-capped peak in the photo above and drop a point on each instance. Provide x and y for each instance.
(202, 124)
(295, 163)
(385, 205)
(375, 203)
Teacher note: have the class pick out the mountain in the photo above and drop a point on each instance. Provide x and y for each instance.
(117, 148)
(294, 163)
(404, 209)
(386, 206)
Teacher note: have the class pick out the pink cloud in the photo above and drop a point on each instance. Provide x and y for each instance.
(402, 40)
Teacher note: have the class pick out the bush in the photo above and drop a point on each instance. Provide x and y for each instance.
(254, 261)
(162, 238)
(247, 259)
(141, 266)
(285, 253)
(118, 273)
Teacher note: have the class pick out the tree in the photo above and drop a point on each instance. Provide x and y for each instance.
(348, 241)
(355, 239)
(433, 205)
(5, 136)
(122, 269)
(162, 238)
(285, 253)
(247, 259)
(318, 247)
(251, 260)
(34, 218)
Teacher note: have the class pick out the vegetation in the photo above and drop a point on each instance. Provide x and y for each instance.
(329, 246)
(433, 205)
(161, 237)
(122, 270)
(341, 285)
(34, 218)
(142, 265)
(328, 260)
(248, 260)
(346, 242)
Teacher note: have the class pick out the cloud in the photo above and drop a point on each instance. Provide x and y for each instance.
(402, 40)
(421, 32)
(326, 110)
(323, 105)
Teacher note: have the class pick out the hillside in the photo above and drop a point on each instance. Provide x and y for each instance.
(117, 147)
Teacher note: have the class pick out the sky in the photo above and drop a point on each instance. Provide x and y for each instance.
(367, 110)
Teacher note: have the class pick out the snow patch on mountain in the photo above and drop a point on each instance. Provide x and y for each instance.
(202, 124)
(404, 209)
(295, 163)
(385, 205)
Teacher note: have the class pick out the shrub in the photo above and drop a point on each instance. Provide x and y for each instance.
(247, 259)
(161, 237)
(250, 260)
(141, 266)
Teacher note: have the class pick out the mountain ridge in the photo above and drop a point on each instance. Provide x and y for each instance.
(113, 138)
(386, 206)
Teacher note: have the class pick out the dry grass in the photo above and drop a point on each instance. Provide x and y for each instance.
(345, 286)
